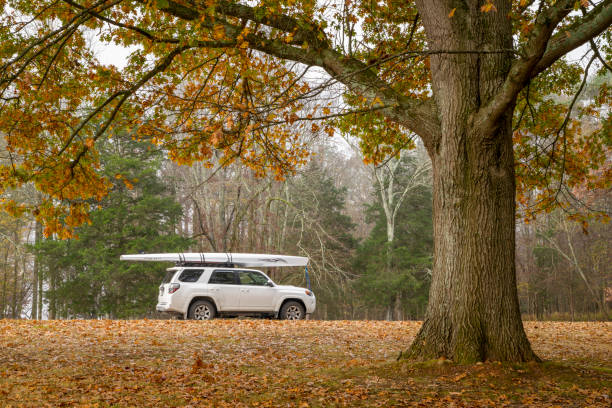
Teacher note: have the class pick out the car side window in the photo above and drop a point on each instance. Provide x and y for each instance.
(252, 278)
(222, 277)
(169, 276)
(190, 275)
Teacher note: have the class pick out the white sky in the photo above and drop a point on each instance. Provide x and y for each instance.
(113, 54)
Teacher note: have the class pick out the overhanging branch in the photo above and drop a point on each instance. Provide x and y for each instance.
(310, 46)
(540, 52)
(582, 31)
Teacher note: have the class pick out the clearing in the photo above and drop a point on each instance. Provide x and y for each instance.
(267, 363)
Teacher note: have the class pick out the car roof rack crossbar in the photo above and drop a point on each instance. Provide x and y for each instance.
(206, 264)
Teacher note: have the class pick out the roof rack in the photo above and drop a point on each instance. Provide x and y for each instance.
(206, 264)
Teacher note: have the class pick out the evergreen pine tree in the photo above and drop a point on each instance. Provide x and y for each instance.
(139, 214)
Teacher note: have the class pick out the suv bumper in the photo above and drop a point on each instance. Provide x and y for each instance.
(311, 304)
(166, 307)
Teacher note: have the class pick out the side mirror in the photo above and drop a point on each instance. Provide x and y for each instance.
(270, 283)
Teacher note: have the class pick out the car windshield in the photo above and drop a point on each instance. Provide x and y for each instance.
(168, 276)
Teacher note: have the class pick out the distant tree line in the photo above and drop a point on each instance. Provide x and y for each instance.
(367, 230)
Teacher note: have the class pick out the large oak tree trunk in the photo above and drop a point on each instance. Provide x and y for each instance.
(473, 311)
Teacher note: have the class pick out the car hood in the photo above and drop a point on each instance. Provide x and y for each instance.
(290, 288)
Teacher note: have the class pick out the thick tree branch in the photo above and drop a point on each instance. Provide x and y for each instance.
(310, 46)
(150, 36)
(540, 52)
(582, 31)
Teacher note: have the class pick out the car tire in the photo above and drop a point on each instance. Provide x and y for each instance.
(292, 310)
(202, 310)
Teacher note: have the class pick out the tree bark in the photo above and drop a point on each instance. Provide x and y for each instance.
(53, 298)
(3, 305)
(473, 312)
(35, 272)
(15, 274)
(40, 293)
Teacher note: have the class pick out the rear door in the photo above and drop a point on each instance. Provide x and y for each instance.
(255, 295)
(224, 288)
(189, 279)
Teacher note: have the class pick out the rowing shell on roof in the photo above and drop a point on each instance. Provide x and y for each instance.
(225, 258)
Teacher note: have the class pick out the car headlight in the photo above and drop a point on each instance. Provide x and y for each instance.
(309, 293)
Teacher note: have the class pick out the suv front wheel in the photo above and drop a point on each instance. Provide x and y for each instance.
(202, 310)
(292, 311)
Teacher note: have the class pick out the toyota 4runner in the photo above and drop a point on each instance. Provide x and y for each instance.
(202, 293)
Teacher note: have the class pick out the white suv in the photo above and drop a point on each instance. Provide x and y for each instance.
(205, 292)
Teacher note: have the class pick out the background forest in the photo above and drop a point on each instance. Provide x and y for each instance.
(366, 228)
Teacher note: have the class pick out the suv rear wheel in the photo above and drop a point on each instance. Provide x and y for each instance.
(202, 310)
(292, 310)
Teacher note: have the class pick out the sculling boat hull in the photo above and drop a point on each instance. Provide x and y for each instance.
(221, 258)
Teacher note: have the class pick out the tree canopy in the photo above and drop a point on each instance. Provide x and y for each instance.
(245, 79)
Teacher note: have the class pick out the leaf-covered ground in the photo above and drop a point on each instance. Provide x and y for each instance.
(266, 363)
